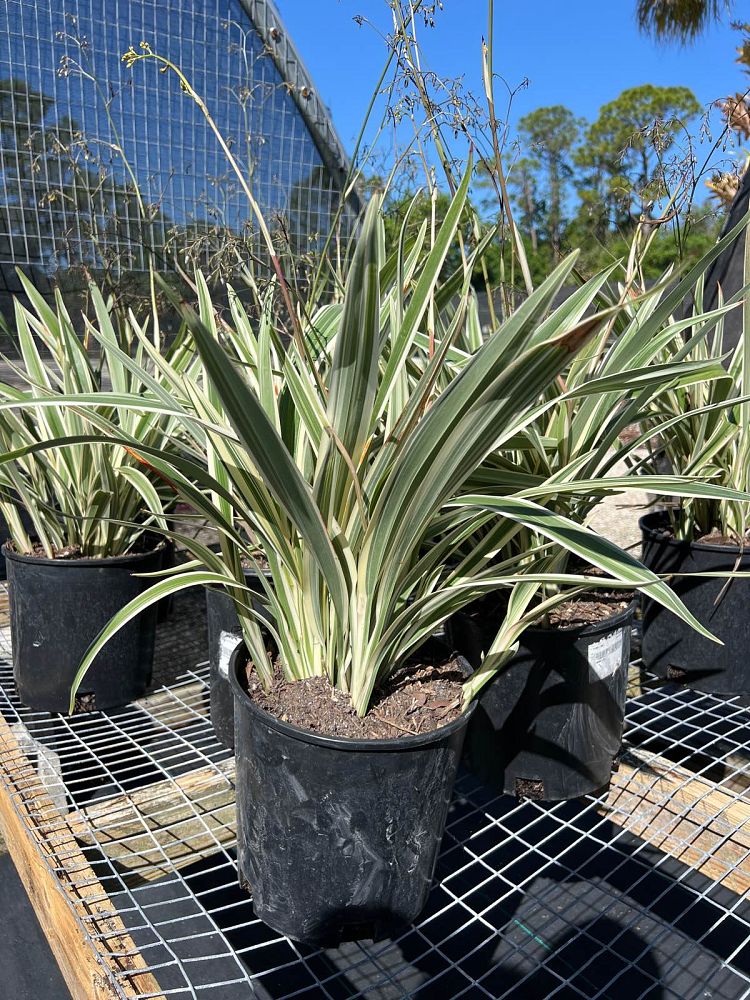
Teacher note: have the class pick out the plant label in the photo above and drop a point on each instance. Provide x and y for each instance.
(48, 765)
(605, 655)
(228, 642)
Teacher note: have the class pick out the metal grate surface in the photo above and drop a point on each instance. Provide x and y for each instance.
(641, 893)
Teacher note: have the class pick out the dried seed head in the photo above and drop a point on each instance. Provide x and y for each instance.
(737, 113)
(724, 187)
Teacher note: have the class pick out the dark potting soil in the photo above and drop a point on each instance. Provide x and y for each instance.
(70, 552)
(84, 703)
(716, 538)
(588, 609)
(713, 537)
(260, 562)
(416, 699)
(585, 609)
(529, 788)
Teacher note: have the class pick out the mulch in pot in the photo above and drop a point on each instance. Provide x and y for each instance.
(415, 699)
(70, 552)
(588, 609)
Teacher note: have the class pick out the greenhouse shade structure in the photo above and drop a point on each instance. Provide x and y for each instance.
(70, 107)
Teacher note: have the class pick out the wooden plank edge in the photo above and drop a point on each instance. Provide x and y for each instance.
(675, 811)
(165, 826)
(90, 972)
(187, 695)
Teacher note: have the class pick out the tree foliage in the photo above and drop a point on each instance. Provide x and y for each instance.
(680, 20)
(587, 185)
(624, 156)
(583, 185)
(551, 135)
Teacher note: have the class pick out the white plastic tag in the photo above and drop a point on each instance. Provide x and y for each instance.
(47, 765)
(228, 642)
(605, 655)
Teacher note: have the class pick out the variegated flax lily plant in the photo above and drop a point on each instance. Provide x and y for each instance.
(344, 461)
(703, 430)
(651, 381)
(85, 494)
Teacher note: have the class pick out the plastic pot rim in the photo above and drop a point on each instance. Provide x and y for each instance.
(128, 559)
(593, 628)
(238, 661)
(651, 532)
(249, 574)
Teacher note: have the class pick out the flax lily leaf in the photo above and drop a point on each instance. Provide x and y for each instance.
(270, 456)
(592, 548)
(165, 588)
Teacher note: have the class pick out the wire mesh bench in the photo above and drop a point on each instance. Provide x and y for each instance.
(122, 828)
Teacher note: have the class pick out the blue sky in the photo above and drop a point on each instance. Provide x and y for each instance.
(581, 59)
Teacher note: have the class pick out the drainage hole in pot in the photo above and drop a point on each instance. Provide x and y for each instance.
(676, 674)
(529, 788)
(84, 703)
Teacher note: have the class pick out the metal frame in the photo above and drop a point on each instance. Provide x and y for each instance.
(530, 899)
(266, 17)
(72, 207)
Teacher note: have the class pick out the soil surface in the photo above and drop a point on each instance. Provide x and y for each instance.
(416, 699)
(713, 537)
(716, 538)
(260, 562)
(84, 703)
(528, 788)
(71, 552)
(588, 609)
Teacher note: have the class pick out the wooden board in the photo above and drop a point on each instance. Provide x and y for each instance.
(167, 825)
(179, 706)
(63, 888)
(687, 817)
(721, 763)
(172, 823)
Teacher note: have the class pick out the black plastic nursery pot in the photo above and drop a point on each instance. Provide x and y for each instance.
(549, 725)
(58, 607)
(224, 633)
(337, 839)
(168, 561)
(673, 649)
